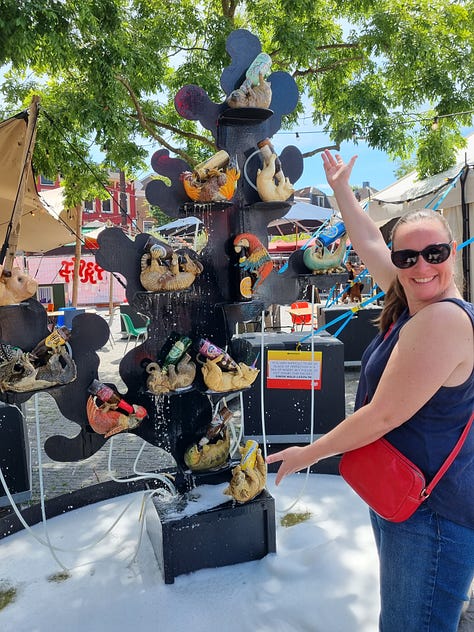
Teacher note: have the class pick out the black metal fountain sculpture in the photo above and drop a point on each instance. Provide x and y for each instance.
(209, 308)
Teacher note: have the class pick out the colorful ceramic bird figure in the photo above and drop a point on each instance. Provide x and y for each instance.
(257, 261)
(108, 420)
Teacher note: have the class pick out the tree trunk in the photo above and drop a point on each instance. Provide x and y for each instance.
(77, 255)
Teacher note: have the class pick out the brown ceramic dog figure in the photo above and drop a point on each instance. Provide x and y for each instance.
(354, 293)
(222, 381)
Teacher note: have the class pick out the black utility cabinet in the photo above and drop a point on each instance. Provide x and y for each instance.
(287, 410)
(14, 455)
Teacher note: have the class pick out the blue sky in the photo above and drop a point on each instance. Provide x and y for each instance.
(372, 165)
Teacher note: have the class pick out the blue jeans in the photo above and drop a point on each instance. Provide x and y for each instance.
(426, 569)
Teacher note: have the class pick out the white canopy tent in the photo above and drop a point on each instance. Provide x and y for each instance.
(302, 217)
(42, 227)
(184, 230)
(303, 210)
(185, 222)
(451, 192)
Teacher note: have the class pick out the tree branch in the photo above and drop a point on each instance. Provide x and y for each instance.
(181, 132)
(308, 154)
(149, 125)
(334, 46)
(317, 71)
(229, 7)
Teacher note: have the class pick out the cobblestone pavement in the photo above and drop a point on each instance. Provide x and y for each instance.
(60, 478)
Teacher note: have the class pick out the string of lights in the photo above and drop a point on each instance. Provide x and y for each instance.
(398, 118)
(410, 118)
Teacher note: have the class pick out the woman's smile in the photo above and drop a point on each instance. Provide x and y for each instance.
(425, 279)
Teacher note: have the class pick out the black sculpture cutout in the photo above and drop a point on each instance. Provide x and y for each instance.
(212, 306)
(23, 325)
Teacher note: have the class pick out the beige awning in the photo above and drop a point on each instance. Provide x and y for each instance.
(42, 228)
(409, 193)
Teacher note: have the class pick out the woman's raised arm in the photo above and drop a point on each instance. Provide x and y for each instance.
(366, 238)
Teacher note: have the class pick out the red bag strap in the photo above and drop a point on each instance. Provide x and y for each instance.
(450, 458)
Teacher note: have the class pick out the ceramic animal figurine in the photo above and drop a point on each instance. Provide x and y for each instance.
(212, 184)
(255, 259)
(248, 480)
(107, 420)
(217, 162)
(353, 294)
(182, 374)
(157, 381)
(271, 184)
(251, 96)
(321, 260)
(158, 275)
(16, 369)
(16, 286)
(59, 369)
(175, 377)
(18, 372)
(206, 456)
(223, 381)
(43, 350)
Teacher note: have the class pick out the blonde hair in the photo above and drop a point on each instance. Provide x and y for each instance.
(395, 301)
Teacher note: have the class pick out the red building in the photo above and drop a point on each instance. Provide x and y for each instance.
(120, 208)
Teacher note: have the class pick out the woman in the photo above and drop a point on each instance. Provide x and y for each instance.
(417, 389)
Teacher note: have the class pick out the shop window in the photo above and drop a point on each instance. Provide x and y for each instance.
(106, 206)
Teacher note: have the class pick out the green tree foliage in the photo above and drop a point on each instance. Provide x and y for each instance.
(107, 72)
(160, 217)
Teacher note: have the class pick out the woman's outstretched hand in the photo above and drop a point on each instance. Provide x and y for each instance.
(337, 171)
(292, 460)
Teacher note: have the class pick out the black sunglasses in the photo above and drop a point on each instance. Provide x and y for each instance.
(434, 253)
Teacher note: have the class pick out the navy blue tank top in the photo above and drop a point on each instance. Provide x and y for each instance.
(428, 437)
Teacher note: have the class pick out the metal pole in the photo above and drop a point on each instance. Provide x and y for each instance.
(466, 253)
(77, 256)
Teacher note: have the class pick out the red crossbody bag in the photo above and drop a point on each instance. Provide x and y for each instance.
(391, 484)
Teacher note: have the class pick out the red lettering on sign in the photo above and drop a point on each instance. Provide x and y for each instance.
(89, 271)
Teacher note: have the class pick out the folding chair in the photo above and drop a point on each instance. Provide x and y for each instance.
(300, 313)
(132, 331)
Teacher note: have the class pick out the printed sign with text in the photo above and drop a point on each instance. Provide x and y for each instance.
(294, 369)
